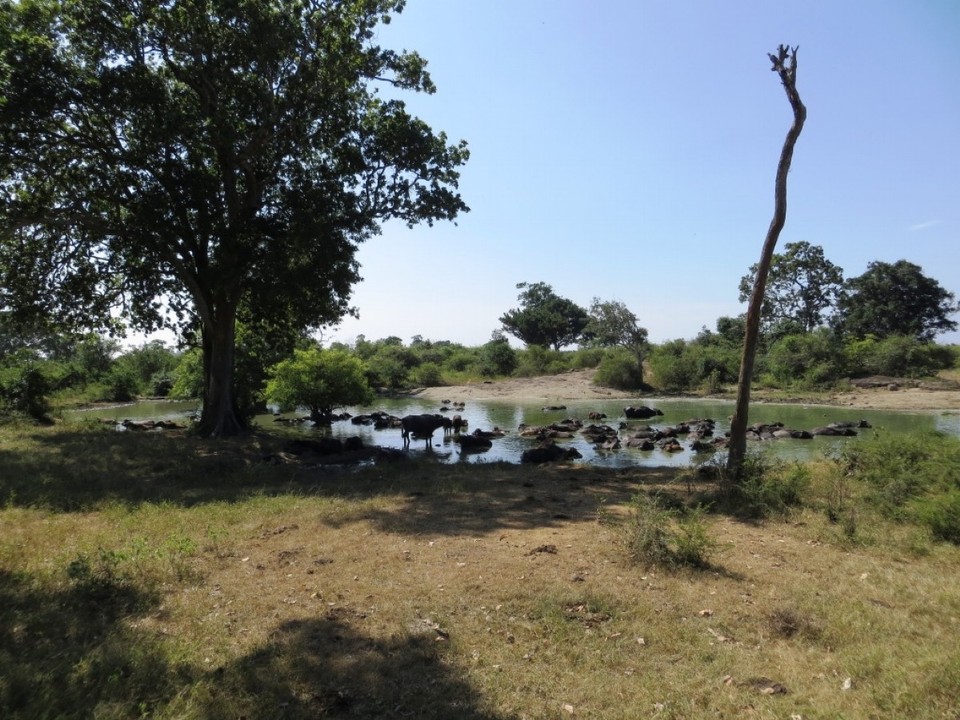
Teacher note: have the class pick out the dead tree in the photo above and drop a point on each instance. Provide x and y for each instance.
(785, 65)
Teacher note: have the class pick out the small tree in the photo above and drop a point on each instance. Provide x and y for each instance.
(544, 318)
(320, 380)
(612, 324)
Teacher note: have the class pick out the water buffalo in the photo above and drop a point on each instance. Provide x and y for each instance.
(422, 426)
(641, 413)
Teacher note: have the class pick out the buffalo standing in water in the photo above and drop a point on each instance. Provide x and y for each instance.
(423, 426)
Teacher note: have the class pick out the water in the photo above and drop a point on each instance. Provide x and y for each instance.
(509, 415)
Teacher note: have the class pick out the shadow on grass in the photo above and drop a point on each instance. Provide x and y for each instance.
(66, 470)
(94, 650)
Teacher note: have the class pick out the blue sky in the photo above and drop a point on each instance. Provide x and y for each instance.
(626, 150)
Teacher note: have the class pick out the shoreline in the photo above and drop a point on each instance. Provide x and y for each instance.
(578, 385)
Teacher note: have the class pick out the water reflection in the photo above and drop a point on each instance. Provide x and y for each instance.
(509, 416)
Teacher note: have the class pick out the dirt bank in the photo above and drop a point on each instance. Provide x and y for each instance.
(578, 385)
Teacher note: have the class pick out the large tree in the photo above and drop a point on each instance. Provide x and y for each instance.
(802, 285)
(225, 157)
(895, 299)
(544, 317)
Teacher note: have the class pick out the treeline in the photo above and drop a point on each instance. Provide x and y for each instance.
(91, 368)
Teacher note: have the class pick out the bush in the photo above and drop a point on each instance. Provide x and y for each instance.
(121, 384)
(656, 535)
(619, 369)
(535, 360)
(806, 360)
(897, 356)
(585, 358)
(674, 366)
(771, 489)
(24, 390)
(941, 514)
(427, 375)
(496, 358)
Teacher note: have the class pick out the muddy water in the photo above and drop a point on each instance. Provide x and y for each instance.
(509, 415)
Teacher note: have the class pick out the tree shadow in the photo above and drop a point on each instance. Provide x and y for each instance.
(73, 470)
(326, 668)
(65, 652)
(89, 650)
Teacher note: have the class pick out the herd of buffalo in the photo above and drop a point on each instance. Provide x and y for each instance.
(696, 434)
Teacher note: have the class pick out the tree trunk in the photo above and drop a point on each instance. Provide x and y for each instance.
(219, 417)
(785, 65)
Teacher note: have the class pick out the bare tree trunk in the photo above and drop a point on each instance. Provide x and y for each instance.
(785, 65)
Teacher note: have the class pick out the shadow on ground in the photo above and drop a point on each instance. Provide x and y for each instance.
(93, 648)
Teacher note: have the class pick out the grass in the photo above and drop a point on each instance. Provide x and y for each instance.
(165, 576)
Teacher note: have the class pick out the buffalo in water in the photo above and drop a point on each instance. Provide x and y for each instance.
(422, 426)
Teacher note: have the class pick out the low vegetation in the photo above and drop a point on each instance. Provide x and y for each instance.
(167, 576)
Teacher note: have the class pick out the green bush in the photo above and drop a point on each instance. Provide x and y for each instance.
(188, 376)
(619, 369)
(496, 358)
(674, 366)
(24, 390)
(656, 535)
(427, 375)
(897, 356)
(536, 360)
(121, 384)
(771, 489)
(941, 514)
(905, 473)
(807, 360)
(585, 358)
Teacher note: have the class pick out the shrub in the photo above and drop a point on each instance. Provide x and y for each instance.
(427, 375)
(898, 356)
(121, 384)
(496, 357)
(941, 514)
(674, 366)
(619, 369)
(24, 389)
(806, 360)
(766, 488)
(656, 535)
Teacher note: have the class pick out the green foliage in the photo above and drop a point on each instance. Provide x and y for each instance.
(897, 356)
(24, 390)
(612, 324)
(666, 537)
(121, 384)
(619, 369)
(770, 488)
(801, 286)
(941, 514)
(674, 366)
(497, 358)
(895, 299)
(808, 360)
(164, 154)
(427, 374)
(908, 476)
(320, 380)
(537, 360)
(544, 318)
(188, 376)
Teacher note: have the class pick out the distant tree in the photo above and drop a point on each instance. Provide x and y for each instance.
(785, 65)
(228, 157)
(895, 299)
(320, 380)
(544, 318)
(612, 324)
(802, 286)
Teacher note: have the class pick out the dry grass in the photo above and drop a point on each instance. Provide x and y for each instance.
(436, 591)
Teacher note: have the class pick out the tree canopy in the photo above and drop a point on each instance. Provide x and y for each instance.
(802, 285)
(544, 318)
(223, 158)
(895, 299)
(320, 380)
(613, 324)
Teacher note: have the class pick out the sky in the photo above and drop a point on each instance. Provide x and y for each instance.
(626, 150)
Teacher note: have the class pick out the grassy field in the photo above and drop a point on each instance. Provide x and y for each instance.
(164, 576)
